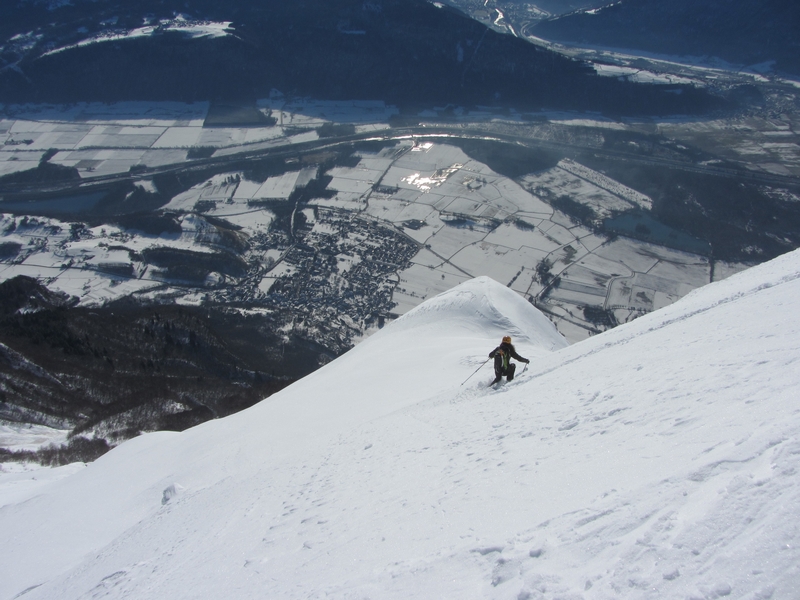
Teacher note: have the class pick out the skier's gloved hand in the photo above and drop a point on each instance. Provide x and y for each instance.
(527, 361)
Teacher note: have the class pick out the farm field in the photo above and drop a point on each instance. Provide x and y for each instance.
(465, 218)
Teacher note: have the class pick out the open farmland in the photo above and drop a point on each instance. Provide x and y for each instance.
(108, 139)
(417, 211)
(470, 221)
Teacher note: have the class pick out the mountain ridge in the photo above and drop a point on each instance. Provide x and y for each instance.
(655, 459)
(407, 52)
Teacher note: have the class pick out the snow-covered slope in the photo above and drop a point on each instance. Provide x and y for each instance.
(658, 460)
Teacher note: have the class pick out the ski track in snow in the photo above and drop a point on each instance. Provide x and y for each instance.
(658, 460)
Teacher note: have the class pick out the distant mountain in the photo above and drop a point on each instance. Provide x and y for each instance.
(745, 32)
(403, 51)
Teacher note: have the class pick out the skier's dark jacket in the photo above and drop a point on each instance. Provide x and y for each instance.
(501, 358)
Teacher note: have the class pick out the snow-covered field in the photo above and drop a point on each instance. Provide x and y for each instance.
(105, 139)
(25, 436)
(640, 75)
(472, 220)
(437, 184)
(97, 264)
(657, 460)
(469, 221)
(189, 27)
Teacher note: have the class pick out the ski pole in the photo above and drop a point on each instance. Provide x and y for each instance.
(476, 370)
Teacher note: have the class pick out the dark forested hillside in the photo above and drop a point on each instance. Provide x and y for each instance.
(124, 368)
(402, 51)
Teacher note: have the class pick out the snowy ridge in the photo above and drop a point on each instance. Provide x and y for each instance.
(483, 306)
(658, 460)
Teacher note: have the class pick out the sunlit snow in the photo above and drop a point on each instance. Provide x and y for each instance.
(189, 27)
(656, 460)
(640, 75)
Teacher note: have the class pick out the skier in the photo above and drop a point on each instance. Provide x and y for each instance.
(502, 356)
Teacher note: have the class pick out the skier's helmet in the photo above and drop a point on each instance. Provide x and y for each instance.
(507, 339)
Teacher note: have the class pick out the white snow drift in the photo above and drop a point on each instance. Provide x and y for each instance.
(658, 460)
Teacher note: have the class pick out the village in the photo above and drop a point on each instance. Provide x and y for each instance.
(399, 222)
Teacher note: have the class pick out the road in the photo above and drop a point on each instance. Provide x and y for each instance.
(435, 131)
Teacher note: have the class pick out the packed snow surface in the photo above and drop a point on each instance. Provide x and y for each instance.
(657, 460)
